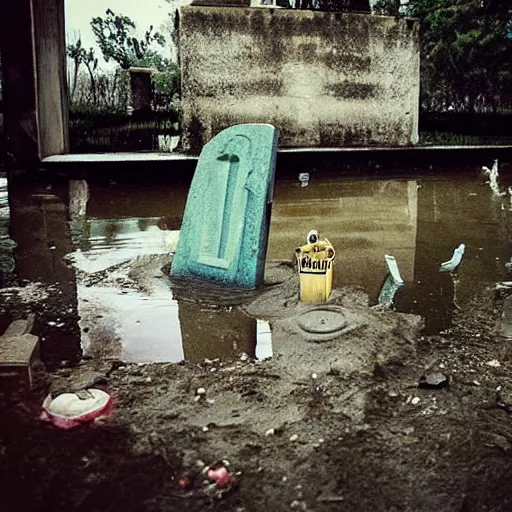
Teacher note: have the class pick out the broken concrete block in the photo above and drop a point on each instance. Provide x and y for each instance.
(18, 349)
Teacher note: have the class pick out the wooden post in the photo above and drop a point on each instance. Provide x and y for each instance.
(33, 48)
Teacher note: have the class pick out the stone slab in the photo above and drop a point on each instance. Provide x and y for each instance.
(19, 327)
(224, 233)
(18, 349)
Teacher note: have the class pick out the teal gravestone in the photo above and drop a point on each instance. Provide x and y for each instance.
(224, 234)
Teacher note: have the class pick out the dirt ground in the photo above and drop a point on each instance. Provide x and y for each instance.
(338, 425)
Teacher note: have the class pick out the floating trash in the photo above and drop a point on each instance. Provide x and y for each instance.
(493, 179)
(453, 263)
(393, 268)
(388, 291)
(304, 179)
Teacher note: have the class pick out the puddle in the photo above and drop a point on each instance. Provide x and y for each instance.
(6, 244)
(102, 249)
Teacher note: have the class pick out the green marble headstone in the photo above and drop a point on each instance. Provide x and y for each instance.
(224, 233)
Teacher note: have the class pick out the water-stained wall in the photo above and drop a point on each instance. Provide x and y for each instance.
(322, 78)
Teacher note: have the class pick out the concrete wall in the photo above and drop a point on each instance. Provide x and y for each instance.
(323, 79)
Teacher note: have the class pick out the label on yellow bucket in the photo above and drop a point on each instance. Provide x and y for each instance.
(315, 270)
(309, 265)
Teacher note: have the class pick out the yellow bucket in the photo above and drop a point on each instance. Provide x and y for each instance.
(314, 261)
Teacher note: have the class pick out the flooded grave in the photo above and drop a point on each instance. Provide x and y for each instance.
(93, 261)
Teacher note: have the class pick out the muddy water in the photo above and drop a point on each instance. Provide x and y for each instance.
(94, 246)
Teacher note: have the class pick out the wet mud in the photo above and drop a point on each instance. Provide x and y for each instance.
(336, 425)
(322, 425)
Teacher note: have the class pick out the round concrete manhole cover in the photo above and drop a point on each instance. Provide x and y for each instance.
(323, 321)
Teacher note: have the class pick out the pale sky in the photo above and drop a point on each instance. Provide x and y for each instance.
(143, 12)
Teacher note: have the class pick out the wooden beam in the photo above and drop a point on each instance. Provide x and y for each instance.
(51, 77)
(33, 48)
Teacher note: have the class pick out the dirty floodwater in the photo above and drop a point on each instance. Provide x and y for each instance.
(111, 242)
(308, 421)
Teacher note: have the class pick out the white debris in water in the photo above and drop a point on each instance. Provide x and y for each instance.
(270, 432)
(415, 401)
(494, 363)
(294, 438)
(200, 391)
(304, 179)
(314, 376)
(141, 243)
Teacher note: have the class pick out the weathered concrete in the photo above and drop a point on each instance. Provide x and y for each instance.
(324, 79)
(18, 348)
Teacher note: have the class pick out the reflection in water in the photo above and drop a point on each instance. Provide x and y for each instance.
(418, 221)
(122, 322)
(263, 340)
(451, 211)
(38, 216)
(6, 244)
(388, 291)
(130, 326)
(362, 219)
(209, 332)
(106, 229)
(104, 243)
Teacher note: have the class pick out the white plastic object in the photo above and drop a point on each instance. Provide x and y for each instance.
(69, 410)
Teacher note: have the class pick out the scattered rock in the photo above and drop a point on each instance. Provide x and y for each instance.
(434, 380)
(504, 399)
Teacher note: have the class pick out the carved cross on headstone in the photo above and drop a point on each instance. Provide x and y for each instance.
(224, 233)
